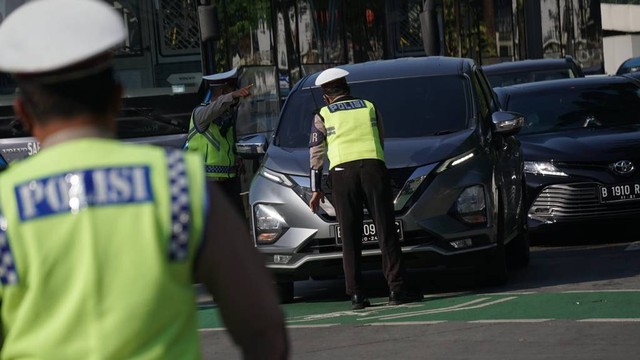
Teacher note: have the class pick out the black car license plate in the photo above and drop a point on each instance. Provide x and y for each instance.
(619, 192)
(369, 233)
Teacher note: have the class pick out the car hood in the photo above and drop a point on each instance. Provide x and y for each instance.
(580, 145)
(399, 153)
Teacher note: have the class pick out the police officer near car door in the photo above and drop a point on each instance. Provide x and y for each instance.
(349, 131)
(212, 132)
(100, 240)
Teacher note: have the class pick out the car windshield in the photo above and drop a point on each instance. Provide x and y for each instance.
(527, 76)
(410, 107)
(581, 107)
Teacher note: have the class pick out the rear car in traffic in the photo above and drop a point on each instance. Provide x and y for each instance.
(455, 165)
(581, 146)
(532, 70)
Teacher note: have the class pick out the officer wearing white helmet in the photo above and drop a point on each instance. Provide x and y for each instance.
(101, 241)
(212, 132)
(349, 131)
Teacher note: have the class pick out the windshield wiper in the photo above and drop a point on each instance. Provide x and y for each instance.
(444, 132)
(591, 121)
(148, 113)
(16, 128)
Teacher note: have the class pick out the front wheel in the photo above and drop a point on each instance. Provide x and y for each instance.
(518, 250)
(495, 270)
(285, 291)
(519, 253)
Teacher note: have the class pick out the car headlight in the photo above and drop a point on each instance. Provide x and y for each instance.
(275, 177)
(411, 186)
(269, 224)
(470, 205)
(542, 168)
(455, 161)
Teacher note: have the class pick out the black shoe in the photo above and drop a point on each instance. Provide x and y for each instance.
(359, 301)
(403, 297)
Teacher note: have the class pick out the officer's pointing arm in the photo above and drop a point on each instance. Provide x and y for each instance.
(242, 92)
(203, 115)
(234, 272)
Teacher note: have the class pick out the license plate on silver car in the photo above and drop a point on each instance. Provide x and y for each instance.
(369, 233)
(619, 192)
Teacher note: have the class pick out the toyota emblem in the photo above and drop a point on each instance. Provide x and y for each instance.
(622, 167)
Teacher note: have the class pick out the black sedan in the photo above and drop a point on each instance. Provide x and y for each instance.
(581, 146)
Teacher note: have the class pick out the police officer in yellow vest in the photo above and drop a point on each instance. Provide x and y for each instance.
(212, 132)
(101, 241)
(349, 131)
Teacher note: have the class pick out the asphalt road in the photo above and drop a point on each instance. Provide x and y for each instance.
(578, 299)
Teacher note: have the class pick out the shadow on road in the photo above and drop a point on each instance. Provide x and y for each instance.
(569, 259)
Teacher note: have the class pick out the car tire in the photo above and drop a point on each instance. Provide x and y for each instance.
(495, 270)
(518, 250)
(285, 291)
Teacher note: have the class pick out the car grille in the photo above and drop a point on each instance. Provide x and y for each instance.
(570, 202)
(398, 178)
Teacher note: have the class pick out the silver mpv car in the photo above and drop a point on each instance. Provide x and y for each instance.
(456, 170)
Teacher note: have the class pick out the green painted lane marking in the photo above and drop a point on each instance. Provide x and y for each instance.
(583, 306)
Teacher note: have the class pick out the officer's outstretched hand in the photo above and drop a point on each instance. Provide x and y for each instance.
(314, 203)
(242, 92)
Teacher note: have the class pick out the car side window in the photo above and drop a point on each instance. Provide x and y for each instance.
(492, 100)
(483, 101)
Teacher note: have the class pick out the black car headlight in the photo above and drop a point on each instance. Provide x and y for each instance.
(471, 205)
(542, 168)
(455, 161)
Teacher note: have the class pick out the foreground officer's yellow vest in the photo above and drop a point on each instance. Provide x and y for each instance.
(352, 131)
(97, 255)
(217, 148)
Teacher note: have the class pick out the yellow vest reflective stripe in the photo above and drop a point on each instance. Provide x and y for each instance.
(352, 131)
(217, 149)
(98, 242)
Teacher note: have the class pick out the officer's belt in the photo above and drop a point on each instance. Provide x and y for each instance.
(219, 169)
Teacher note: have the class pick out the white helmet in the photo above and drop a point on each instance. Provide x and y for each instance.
(43, 36)
(330, 75)
(222, 77)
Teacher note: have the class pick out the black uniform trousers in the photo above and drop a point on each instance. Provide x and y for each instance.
(231, 187)
(357, 184)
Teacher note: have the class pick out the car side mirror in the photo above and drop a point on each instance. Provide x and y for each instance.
(507, 122)
(252, 146)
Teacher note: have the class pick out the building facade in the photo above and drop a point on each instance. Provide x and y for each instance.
(303, 36)
(621, 32)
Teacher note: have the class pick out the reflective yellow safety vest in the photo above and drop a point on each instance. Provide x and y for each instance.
(217, 147)
(97, 252)
(352, 131)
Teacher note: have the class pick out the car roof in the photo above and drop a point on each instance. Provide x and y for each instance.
(574, 83)
(629, 65)
(398, 68)
(530, 64)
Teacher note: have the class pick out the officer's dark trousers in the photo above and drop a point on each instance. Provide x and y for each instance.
(231, 188)
(354, 185)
